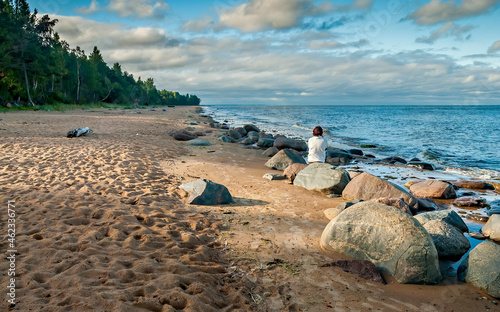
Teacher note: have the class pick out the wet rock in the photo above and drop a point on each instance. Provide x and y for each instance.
(264, 142)
(421, 165)
(285, 158)
(449, 241)
(199, 142)
(433, 189)
(492, 228)
(205, 192)
(270, 152)
(323, 178)
(448, 216)
(494, 207)
(292, 170)
(404, 249)
(241, 131)
(282, 143)
(470, 201)
(366, 187)
(481, 268)
(363, 268)
(479, 236)
(394, 202)
(251, 127)
(354, 151)
(234, 134)
(495, 185)
(470, 184)
(426, 204)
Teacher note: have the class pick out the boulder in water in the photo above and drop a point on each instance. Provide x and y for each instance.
(449, 216)
(433, 189)
(492, 228)
(449, 241)
(282, 143)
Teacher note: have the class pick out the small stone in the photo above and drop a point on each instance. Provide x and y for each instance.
(274, 176)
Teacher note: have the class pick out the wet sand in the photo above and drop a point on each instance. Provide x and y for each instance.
(102, 225)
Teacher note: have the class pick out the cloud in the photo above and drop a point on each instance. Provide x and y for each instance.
(259, 15)
(198, 25)
(355, 5)
(133, 8)
(494, 47)
(437, 11)
(332, 44)
(448, 29)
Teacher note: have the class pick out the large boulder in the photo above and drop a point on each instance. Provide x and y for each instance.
(285, 158)
(323, 178)
(367, 187)
(338, 157)
(292, 170)
(250, 127)
(448, 216)
(481, 268)
(265, 142)
(492, 228)
(391, 239)
(394, 202)
(205, 192)
(241, 131)
(270, 152)
(433, 189)
(282, 143)
(449, 241)
(234, 134)
(183, 135)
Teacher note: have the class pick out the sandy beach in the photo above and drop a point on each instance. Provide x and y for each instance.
(101, 225)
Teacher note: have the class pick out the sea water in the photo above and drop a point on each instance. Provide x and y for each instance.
(457, 138)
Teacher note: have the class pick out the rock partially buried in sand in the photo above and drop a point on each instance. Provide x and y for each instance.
(391, 239)
(449, 216)
(205, 192)
(183, 135)
(79, 132)
(366, 187)
(481, 268)
(292, 170)
(274, 176)
(323, 178)
(492, 228)
(433, 189)
(449, 241)
(285, 158)
(199, 142)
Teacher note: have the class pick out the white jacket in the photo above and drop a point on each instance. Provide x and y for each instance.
(317, 149)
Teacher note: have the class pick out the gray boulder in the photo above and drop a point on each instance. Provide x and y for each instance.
(338, 157)
(234, 134)
(282, 143)
(224, 138)
(250, 127)
(247, 141)
(331, 213)
(264, 142)
(367, 187)
(448, 216)
(449, 241)
(285, 158)
(433, 189)
(183, 135)
(270, 152)
(391, 239)
(492, 228)
(481, 268)
(494, 207)
(323, 178)
(205, 192)
(253, 135)
(394, 202)
(264, 135)
(241, 131)
(199, 142)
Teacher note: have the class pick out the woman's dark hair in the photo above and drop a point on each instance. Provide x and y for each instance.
(318, 131)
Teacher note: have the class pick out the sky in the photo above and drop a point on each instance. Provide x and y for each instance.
(297, 51)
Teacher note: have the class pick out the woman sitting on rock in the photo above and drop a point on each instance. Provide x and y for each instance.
(317, 146)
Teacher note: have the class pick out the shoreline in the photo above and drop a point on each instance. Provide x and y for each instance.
(112, 198)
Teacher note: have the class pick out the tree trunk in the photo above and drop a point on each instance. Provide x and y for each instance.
(27, 85)
(78, 83)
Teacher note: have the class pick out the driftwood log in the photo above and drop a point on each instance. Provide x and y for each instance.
(79, 132)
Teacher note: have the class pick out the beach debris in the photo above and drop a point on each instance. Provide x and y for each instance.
(285, 158)
(481, 268)
(79, 132)
(367, 186)
(363, 268)
(404, 249)
(323, 178)
(448, 216)
(470, 201)
(270, 152)
(283, 142)
(182, 135)
(206, 192)
(433, 189)
(449, 240)
(274, 176)
(292, 170)
(265, 142)
(199, 142)
(395, 202)
(492, 228)
(422, 165)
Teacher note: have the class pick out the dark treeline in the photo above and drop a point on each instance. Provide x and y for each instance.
(38, 67)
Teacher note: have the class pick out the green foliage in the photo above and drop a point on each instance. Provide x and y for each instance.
(39, 70)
